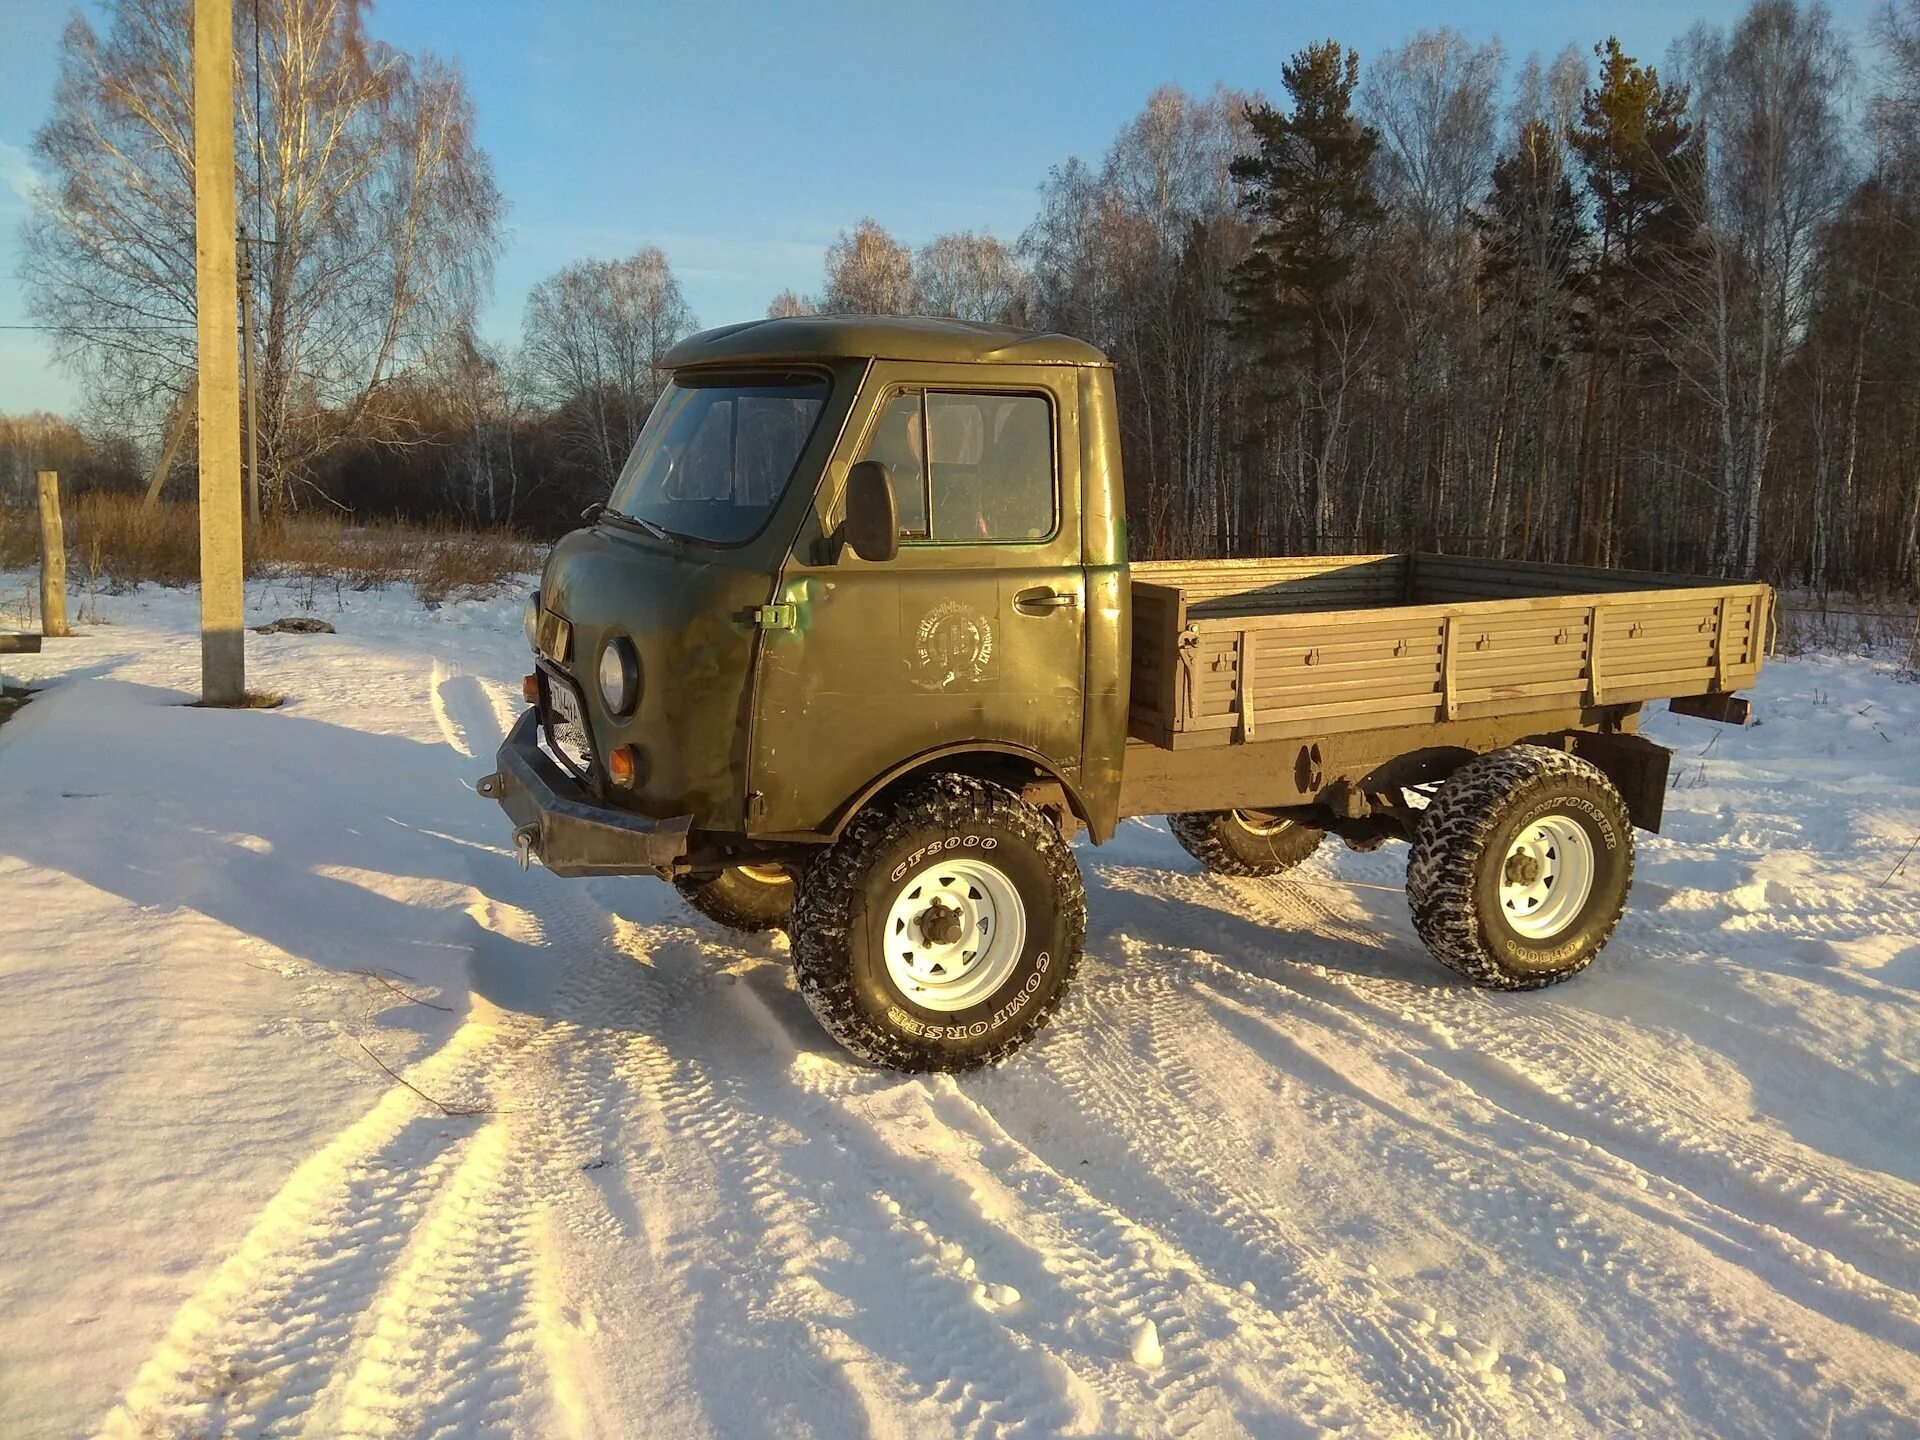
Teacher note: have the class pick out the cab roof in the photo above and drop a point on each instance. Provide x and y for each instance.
(879, 337)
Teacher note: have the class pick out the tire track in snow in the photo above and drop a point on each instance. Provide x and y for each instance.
(454, 1315)
(1384, 1015)
(262, 1339)
(1232, 1231)
(383, 1281)
(944, 1356)
(1547, 1195)
(1086, 1273)
(1835, 1218)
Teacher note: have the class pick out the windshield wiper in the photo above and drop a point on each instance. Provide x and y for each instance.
(658, 531)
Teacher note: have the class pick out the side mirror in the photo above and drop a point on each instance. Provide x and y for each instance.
(592, 512)
(872, 525)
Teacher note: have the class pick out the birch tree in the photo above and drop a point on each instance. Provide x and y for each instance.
(374, 210)
(869, 273)
(1774, 170)
(970, 277)
(592, 344)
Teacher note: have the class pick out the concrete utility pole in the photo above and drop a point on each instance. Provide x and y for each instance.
(223, 654)
(247, 376)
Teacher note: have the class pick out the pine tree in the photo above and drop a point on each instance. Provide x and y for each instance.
(1634, 141)
(1308, 191)
(1532, 271)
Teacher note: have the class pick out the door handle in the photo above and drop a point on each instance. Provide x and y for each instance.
(1040, 600)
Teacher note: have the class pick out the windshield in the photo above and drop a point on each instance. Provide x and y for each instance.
(717, 453)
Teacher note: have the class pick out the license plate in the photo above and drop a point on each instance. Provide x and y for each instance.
(569, 726)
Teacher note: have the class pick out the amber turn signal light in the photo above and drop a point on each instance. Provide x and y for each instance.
(530, 687)
(622, 766)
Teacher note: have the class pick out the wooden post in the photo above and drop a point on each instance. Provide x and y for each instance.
(223, 656)
(53, 558)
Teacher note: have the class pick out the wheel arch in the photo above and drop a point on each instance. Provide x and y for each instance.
(1019, 769)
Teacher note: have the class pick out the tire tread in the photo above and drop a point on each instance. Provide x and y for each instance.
(828, 896)
(1208, 836)
(1452, 837)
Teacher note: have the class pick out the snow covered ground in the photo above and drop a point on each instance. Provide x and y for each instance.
(1273, 1172)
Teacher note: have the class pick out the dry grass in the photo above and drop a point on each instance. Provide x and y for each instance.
(1874, 625)
(116, 542)
(249, 700)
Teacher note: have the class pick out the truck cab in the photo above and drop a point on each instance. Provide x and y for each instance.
(714, 656)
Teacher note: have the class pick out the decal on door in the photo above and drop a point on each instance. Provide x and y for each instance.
(953, 645)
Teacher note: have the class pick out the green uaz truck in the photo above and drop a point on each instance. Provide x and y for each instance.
(853, 649)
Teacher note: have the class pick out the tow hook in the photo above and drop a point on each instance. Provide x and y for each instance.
(526, 844)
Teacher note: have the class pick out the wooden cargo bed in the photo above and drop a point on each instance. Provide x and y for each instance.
(1270, 649)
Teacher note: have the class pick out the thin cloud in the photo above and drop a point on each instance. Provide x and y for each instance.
(20, 183)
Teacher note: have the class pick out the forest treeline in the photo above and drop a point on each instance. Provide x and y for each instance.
(1586, 308)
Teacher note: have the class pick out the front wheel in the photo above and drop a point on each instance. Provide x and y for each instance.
(749, 898)
(941, 931)
(1520, 868)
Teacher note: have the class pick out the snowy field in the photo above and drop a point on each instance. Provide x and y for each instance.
(1680, 1195)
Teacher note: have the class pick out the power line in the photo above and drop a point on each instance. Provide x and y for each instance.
(171, 328)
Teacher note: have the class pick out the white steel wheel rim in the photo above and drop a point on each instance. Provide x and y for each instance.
(954, 934)
(1546, 877)
(1259, 827)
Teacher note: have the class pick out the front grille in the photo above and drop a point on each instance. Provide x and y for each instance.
(563, 713)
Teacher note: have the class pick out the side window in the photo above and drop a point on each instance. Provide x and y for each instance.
(969, 467)
(899, 443)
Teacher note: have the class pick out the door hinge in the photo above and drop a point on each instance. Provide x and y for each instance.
(777, 617)
(756, 804)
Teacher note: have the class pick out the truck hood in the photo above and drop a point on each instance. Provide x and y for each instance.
(689, 613)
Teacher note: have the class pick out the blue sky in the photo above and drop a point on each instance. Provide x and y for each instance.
(741, 135)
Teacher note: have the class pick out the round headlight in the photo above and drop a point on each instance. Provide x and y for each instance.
(619, 676)
(530, 621)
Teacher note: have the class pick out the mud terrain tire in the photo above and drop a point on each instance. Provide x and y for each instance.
(1519, 817)
(949, 862)
(1226, 844)
(749, 899)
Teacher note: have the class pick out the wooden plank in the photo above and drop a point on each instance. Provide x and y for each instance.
(1246, 685)
(1593, 654)
(1270, 694)
(1159, 618)
(12, 644)
(1531, 576)
(1348, 619)
(1720, 645)
(1569, 687)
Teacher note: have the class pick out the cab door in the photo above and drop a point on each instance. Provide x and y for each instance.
(973, 637)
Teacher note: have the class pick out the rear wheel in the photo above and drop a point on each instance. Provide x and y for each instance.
(942, 929)
(750, 898)
(1520, 868)
(1244, 842)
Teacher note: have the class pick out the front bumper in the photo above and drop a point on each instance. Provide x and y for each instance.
(556, 822)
